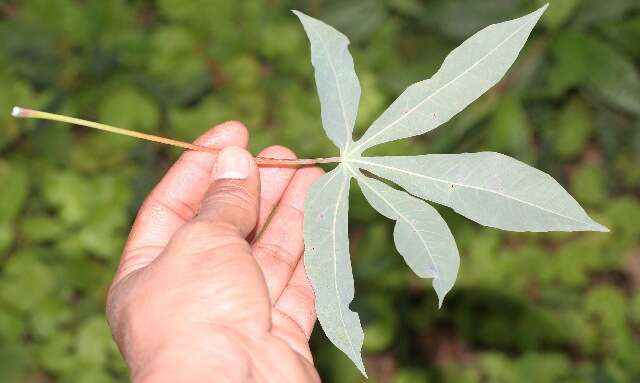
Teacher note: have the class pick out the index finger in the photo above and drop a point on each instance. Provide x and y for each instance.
(280, 246)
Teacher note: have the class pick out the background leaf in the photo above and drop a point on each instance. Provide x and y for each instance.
(509, 131)
(582, 59)
(572, 130)
(13, 192)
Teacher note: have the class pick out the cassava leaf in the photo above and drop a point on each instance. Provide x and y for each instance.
(421, 236)
(490, 188)
(584, 60)
(327, 261)
(336, 80)
(467, 72)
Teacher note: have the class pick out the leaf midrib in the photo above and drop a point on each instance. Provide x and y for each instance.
(345, 182)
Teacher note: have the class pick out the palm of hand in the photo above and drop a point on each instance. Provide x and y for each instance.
(198, 288)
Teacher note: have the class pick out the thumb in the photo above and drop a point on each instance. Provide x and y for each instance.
(232, 199)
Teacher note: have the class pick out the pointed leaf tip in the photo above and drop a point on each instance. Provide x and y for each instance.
(600, 228)
(539, 12)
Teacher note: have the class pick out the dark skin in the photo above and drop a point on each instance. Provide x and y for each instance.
(198, 296)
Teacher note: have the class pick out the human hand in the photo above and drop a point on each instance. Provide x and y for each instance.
(211, 285)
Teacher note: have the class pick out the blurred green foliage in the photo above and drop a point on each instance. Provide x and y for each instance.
(542, 307)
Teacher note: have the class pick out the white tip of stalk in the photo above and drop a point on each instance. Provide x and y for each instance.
(17, 111)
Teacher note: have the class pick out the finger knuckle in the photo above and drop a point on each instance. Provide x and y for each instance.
(230, 195)
(202, 229)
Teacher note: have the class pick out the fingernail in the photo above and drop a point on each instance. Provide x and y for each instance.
(232, 163)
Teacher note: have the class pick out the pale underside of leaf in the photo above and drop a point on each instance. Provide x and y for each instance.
(328, 264)
(466, 73)
(503, 198)
(421, 236)
(336, 80)
(490, 188)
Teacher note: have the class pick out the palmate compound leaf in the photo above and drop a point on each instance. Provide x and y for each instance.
(493, 189)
